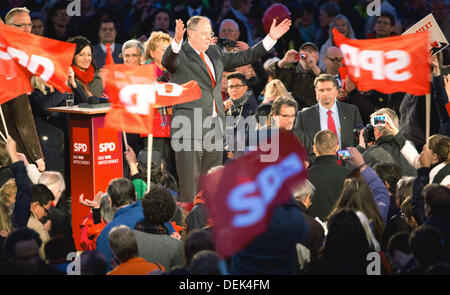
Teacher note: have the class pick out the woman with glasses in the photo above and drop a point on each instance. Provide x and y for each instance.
(84, 78)
(132, 52)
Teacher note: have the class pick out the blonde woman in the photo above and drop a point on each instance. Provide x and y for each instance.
(274, 89)
(154, 51)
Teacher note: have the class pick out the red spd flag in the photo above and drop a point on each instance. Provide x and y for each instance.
(23, 55)
(134, 93)
(240, 197)
(388, 65)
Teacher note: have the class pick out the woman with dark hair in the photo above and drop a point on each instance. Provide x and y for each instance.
(160, 20)
(356, 195)
(154, 242)
(84, 80)
(346, 245)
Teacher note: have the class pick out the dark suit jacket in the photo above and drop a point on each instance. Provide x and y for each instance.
(100, 55)
(308, 124)
(328, 179)
(184, 14)
(187, 65)
(20, 123)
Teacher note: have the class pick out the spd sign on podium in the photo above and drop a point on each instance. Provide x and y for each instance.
(95, 159)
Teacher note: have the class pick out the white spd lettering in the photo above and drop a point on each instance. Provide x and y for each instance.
(137, 97)
(143, 94)
(375, 61)
(31, 63)
(245, 197)
(107, 146)
(80, 147)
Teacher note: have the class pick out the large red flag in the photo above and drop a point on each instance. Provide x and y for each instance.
(388, 65)
(240, 197)
(134, 93)
(23, 55)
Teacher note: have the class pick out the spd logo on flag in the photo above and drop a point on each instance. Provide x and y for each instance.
(134, 93)
(388, 65)
(23, 55)
(241, 196)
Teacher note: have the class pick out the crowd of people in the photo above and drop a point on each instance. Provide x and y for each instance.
(389, 194)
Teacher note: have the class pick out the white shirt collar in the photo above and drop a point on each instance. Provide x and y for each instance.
(324, 110)
(191, 11)
(103, 46)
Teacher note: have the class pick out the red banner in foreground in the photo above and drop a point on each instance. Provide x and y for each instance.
(240, 197)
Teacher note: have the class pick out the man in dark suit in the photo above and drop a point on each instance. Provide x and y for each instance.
(325, 174)
(193, 8)
(328, 113)
(196, 151)
(107, 35)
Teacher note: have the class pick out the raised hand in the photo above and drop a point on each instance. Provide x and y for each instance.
(40, 163)
(289, 57)
(12, 150)
(447, 85)
(179, 31)
(356, 158)
(276, 31)
(94, 203)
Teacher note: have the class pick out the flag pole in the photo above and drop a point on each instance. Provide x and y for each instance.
(149, 159)
(427, 117)
(4, 124)
(125, 140)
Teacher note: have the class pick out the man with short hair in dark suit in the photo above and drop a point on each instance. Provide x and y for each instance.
(329, 113)
(199, 146)
(325, 174)
(107, 35)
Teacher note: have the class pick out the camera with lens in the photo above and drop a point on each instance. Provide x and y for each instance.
(223, 42)
(369, 134)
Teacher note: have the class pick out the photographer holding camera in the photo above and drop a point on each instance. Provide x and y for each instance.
(386, 145)
(228, 37)
(297, 70)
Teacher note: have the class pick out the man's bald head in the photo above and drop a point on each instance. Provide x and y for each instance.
(333, 60)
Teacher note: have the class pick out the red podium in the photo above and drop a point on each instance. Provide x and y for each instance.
(95, 158)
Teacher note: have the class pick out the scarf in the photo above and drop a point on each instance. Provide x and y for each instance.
(158, 229)
(84, 76)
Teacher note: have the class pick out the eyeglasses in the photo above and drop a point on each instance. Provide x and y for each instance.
(45, 209)
(24, 26)
(130, 56)
(235, 86)
(335, 59)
